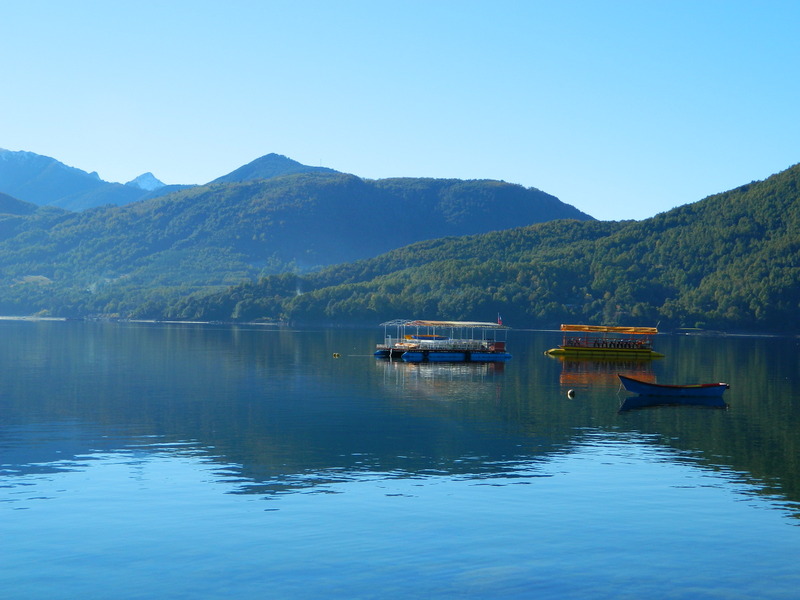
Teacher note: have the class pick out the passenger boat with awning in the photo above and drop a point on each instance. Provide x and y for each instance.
(605, 341)
(420, 340)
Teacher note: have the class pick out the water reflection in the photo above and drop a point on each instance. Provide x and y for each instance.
(443, 381)
(640, 402)
(219, 450)
(585, 372)
(277, 413)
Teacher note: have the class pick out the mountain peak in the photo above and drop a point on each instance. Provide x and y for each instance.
(146, 181)
(45, 181)
(268, 166)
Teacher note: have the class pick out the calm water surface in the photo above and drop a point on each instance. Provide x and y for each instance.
(189, 461)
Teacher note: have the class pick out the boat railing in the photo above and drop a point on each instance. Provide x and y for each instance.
(598, 342)
(457, 345)
(448, 344)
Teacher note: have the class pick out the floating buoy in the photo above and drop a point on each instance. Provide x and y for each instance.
(570, 393)
(336, 355)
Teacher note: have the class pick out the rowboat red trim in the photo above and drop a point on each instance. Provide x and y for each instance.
(656, 389)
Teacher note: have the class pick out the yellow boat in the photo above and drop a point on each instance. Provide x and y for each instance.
(606, 340)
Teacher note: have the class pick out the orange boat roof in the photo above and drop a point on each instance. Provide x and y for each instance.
(611, 329)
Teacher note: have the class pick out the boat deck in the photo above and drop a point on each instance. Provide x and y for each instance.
(576, 351)
(606, 340)
(434, 346)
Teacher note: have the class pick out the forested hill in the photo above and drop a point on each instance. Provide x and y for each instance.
(132, 259)
(729, 262)
(268, 166)
(11, 206)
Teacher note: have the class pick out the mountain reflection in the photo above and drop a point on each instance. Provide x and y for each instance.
(279, 414)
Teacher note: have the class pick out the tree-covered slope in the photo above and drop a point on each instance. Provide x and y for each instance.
(115, 259)
(731, 261)
(267, 167)
(11, 206)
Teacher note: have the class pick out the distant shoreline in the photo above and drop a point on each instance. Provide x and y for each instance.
(677, 332)
(149, 321)
(6, 318)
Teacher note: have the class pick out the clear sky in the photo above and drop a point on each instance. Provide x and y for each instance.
(622, 108)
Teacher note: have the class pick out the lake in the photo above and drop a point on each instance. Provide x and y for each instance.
(142, 461)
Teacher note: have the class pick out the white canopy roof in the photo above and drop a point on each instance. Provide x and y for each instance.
(453, 324)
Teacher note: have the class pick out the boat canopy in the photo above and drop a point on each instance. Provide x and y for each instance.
(611, 329)
(454, 324)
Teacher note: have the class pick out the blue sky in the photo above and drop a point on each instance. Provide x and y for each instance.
(623, 109)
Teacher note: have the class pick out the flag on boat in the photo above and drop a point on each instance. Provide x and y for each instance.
(499, 319)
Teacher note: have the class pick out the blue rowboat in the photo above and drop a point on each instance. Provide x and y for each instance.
(703, 390)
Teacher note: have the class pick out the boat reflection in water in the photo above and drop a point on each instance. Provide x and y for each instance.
(448, 381)
(594, 372)
(641, 401)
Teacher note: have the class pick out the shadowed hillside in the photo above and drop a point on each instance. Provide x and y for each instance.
(128, 259)
(731, 262)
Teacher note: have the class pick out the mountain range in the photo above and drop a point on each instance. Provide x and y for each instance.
(271, 216)
(45, 181)
(279, 241)
(730, 262)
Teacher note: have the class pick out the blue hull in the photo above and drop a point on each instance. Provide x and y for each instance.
(444, 356)
(702, 390)
(490, 356)
(434, 356)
